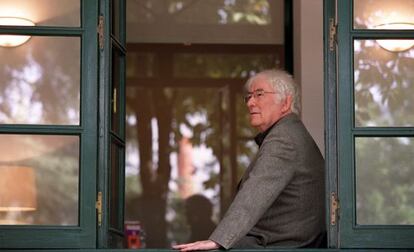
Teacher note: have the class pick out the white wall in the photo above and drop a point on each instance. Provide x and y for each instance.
(308, 64)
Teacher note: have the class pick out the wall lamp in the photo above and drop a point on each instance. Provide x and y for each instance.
(14, 40)
(396, 45)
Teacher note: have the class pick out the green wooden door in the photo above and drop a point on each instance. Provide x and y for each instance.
(112, 123)
(48, 125)
(376, 123)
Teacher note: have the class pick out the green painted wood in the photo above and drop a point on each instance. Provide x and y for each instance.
(103, 148)
(108, 236)
(90, 121)
(43, 30)
(41, 129)
(330, 92)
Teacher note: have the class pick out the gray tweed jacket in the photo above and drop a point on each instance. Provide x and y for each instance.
(281, 200)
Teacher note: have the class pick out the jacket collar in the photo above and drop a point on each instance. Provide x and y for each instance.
(259, 138)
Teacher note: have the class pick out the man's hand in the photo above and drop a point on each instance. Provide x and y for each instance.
(198, 245)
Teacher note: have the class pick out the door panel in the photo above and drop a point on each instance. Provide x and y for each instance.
(112, 123)
(375, 126)
(48, 126)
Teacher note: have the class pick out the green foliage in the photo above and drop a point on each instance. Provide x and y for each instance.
(222, 66)
(207, 11)
(248, 11)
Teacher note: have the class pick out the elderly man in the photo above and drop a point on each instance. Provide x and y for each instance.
(280, 198)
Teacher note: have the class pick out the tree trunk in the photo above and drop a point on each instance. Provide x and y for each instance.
(154, 180)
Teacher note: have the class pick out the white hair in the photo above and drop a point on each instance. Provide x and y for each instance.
(282, 83)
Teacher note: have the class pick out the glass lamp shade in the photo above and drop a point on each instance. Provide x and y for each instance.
(14, 40)
(396, 45)
(17, 189)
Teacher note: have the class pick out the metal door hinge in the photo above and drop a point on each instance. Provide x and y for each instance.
(332, 34)
(334, 208)
(98, 206)
(101, 31)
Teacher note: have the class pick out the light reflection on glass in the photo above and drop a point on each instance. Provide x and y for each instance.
(43, 12)
(186, 123)
(51, 165)
(246, 146)
(384, 180)
(183, 74)
(173, 153)
(207, 21)
(209, 66)
(383, 86)
(368, 14)
(40, 82)
(212, 65)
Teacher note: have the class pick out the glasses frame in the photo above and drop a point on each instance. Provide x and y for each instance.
(256, 94)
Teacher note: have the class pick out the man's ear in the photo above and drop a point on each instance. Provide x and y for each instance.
(287, 104)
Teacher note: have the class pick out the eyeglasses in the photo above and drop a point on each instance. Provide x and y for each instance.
(257, 94)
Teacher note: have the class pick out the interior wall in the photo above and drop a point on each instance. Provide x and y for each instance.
(308, 64)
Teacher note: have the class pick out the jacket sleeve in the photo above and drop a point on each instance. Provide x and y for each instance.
(272, 171)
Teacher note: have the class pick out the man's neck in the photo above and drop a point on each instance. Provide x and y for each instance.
(273, 123)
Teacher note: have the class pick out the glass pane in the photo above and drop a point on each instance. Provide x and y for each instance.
(383, 85)
(115, 17)
(173, 163)
(141, 64)
(43, 12)
(217, 65)
(40, 82)
(207, 21)
(116, 91)
(114, 193)
(202, 65)
(384, 14)
(246, 146)
(385, 180)
(39, 180)
(179, 99)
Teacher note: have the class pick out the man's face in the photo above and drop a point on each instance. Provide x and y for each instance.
(264, 107)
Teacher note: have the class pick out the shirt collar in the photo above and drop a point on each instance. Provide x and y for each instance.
(261, 136)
